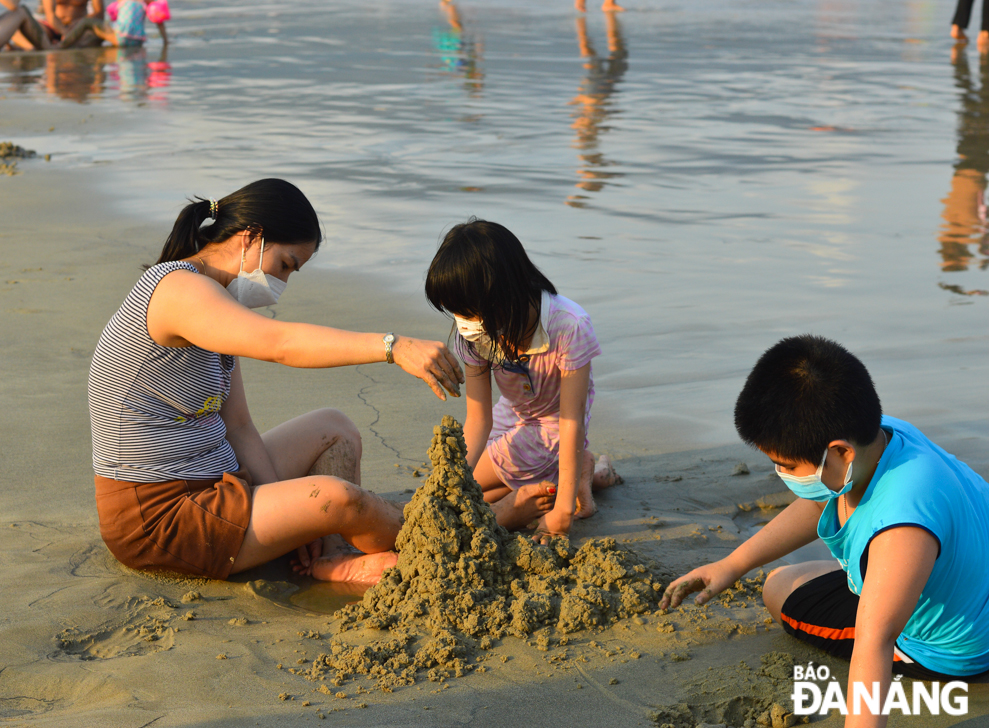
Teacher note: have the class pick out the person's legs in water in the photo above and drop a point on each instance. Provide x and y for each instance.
(963, 13)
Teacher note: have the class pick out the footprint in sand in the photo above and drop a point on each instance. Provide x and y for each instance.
(145, 629)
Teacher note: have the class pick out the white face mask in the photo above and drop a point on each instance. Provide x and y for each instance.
(470, 330)
(257, 288)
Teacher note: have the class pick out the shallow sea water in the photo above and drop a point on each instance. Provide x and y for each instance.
(704, 178)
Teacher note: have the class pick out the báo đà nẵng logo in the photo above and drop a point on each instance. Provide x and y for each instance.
(815, 691)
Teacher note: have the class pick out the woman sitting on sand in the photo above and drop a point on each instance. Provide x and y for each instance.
(184, 481)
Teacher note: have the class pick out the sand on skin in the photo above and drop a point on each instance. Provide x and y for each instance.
(72, 268)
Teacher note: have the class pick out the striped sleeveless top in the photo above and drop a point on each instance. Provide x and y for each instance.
(155, 410)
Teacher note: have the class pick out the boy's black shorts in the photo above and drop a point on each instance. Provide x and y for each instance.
(822, 613)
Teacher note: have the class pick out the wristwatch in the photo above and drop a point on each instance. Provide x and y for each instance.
(389, 339)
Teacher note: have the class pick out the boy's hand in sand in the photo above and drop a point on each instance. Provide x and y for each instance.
(709, 580)
(432, 362)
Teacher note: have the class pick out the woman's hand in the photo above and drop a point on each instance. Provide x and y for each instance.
(307, 555)
(431, 361)
(709, 579)
(553, 523)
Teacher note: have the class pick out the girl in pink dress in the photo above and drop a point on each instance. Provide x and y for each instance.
(529, 451)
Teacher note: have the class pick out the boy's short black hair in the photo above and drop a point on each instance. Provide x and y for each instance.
(804, 392)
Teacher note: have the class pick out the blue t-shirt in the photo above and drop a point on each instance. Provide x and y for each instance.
(916, 483)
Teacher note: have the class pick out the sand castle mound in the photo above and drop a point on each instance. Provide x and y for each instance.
(463, 580)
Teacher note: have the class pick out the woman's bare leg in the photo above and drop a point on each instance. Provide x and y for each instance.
(322, 442)
(325, 446)
(513, 509)
(292, 513)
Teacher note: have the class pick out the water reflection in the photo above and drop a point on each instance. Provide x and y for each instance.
(328, 597)
(595, 105)
(964, 235)
(80, 75)
(460, 52)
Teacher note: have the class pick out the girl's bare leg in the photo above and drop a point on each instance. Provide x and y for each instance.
(586, 507)
(958, 33)
(513, 509)
(593, 476)
(604, 474)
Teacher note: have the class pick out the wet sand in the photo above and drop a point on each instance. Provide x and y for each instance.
(753, 172)
(85, 642)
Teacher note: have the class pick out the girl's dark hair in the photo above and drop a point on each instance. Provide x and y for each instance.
(481, 271)
(804, 392)
(273, 207)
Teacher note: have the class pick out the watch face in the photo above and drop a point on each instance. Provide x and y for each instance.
(389, 338)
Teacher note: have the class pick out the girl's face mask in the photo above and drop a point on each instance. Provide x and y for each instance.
(257, 288)
(811, 487)
(470, 330)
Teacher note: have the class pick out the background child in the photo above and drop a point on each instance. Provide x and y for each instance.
(126, 26)
(529, 451)
(907, 522)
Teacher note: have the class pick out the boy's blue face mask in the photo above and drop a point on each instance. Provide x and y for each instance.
(811, 487)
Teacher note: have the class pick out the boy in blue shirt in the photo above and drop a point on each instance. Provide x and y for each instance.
(907, 522)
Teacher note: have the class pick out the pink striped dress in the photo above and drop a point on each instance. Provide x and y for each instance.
(524, 444)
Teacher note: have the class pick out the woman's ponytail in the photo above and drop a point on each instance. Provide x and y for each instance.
(273, 207)
(185, 239)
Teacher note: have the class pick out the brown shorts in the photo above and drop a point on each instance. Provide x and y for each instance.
(187, 526)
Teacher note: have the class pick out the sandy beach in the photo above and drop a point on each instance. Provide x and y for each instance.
(770, 216)
(86, 642)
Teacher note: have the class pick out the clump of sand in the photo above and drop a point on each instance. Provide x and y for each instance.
(462, 581)
(9, 149)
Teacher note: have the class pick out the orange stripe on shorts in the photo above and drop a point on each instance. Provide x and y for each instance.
(829, 633)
